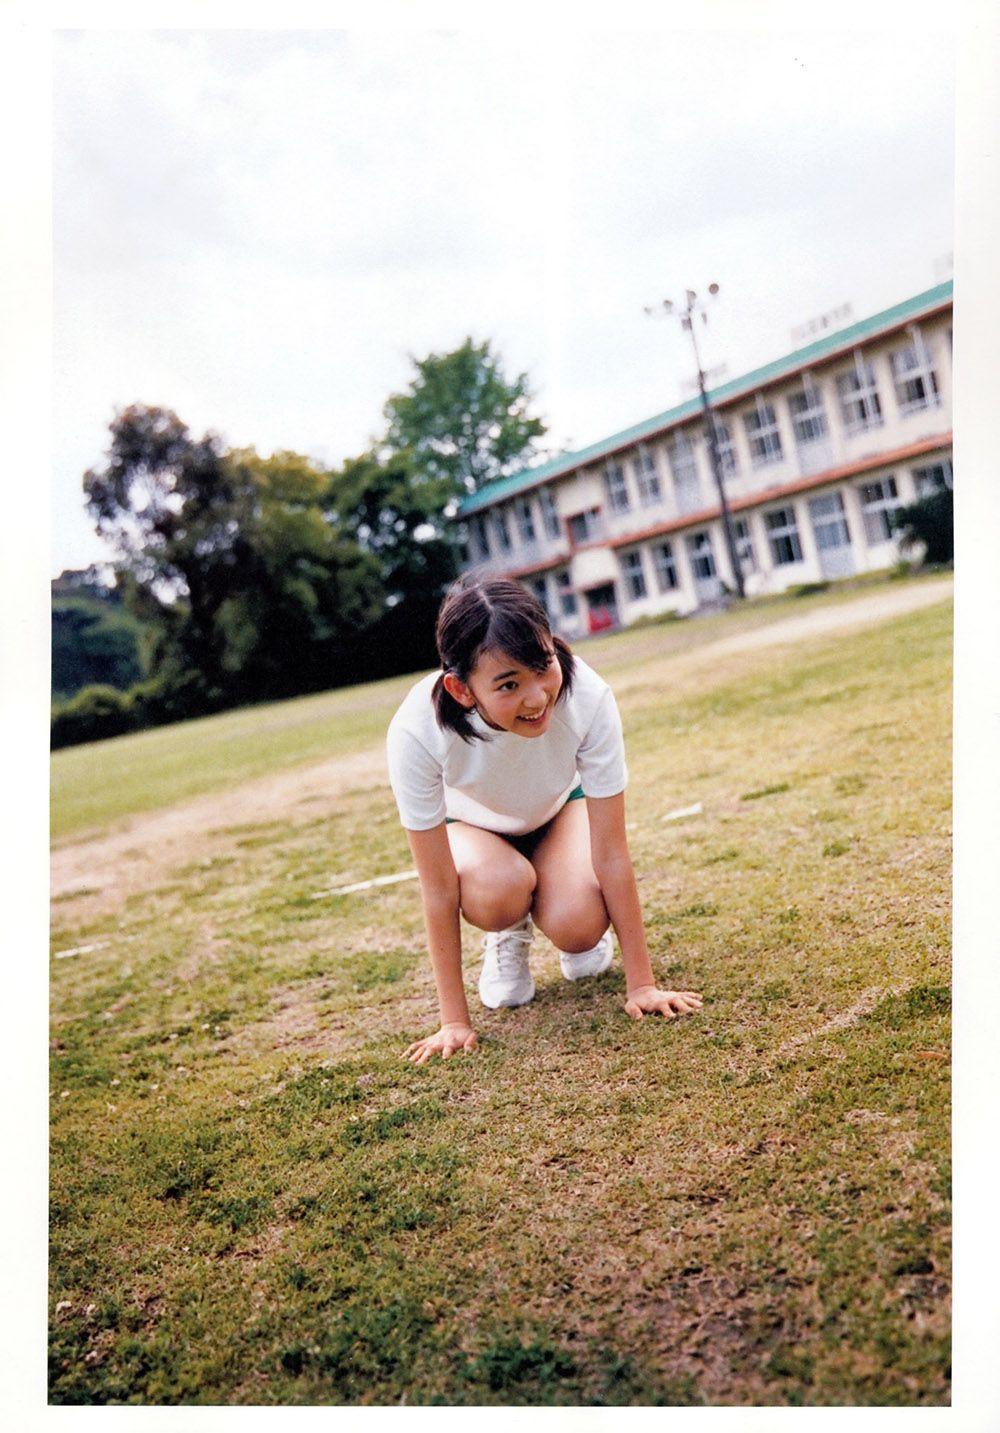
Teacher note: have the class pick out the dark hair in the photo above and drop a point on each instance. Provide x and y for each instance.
(491, 616)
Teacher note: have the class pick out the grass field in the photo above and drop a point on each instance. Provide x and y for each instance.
(255, 1200)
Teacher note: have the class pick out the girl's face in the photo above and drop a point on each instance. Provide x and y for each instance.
(507, 695)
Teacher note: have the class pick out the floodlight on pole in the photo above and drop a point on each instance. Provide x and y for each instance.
(686, 316)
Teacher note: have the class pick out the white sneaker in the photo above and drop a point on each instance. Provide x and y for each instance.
(577, 964)
(505, 978)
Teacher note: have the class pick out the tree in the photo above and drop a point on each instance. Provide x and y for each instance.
(297, 618)
(391, 513)
(930, 521)
(172, 512)
(94, 640)
(232, 560)
(462, 420)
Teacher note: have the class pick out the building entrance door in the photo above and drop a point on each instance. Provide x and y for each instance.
(706, 578)
(833, 536)
(602, 608)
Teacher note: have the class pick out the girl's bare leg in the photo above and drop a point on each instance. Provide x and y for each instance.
(495, 882)
(568, 904)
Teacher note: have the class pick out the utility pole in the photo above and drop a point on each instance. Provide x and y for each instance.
(687, 316)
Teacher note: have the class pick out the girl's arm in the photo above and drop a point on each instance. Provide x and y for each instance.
(439, 892)
(616, 878)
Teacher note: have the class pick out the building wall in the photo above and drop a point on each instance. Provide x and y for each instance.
(611, 529)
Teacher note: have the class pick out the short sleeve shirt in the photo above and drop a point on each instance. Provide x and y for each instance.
(505, 782)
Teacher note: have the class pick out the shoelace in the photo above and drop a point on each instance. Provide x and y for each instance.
(510, 946)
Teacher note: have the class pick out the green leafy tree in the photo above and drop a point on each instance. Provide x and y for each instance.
(174, 515)
(463, 421)
(94, 639)
(232, 560)
(297, 618)
(391, 513)
(930, 521)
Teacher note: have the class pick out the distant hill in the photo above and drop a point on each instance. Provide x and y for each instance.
(94, 639)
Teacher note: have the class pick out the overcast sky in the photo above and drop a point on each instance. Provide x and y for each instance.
(258, 228)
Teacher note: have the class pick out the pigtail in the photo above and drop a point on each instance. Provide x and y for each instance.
(451, 715)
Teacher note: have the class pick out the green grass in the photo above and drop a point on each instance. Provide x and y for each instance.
(256, 1201)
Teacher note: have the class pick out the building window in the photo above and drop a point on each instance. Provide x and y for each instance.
(761, 426)
(585, 526)
(744, 544)
(539, 588)
(635, 578)
(879, 500)
(914, 378)
(502, 529)
(683, 461)
(664, 566)
(724, 448)
(829, 521)
(550, 518)
(783, 535)
(479, 536)
(702, 556)
(525, 520)
(808, 415)
(567, 597)
(933, 479)
(614, 482)
(859, 400)
(647, 478)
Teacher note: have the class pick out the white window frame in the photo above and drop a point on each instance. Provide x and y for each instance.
(568, 601)
(550, 517)
(683, 458)
(665, 566)
(913, 375)
(701, 550)
(923, 483)
(525, 521)
(783, 536)
(760, 424)
(857, 389)
(743, 538)
(647, 477)
(879, 499)
(616, 486)
(724, 447)
(808, 414)
(591, 519)
(480, 534)
(634, 574)
(832, 517)
(502, 526)
(533, 584)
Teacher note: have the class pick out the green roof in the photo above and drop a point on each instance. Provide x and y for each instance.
(736, 387)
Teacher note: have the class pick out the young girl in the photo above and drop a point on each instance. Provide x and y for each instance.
(508, 769)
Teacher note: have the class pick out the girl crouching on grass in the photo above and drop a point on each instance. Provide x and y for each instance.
(508, 768)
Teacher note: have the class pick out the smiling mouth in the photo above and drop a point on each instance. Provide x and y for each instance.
(534, 720)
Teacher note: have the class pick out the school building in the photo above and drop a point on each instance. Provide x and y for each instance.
(817, 450)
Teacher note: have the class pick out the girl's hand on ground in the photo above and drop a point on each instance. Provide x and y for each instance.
(650, 1000)
(447, 1040)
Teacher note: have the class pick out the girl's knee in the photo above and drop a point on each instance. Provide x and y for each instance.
(496, 900)
(573, 928)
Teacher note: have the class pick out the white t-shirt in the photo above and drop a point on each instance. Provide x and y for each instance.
(505, 782)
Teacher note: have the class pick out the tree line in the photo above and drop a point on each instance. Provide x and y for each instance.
(240, 578)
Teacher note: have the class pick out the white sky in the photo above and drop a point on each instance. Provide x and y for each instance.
(257, 228)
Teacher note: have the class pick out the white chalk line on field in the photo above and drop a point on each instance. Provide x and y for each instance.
(682, 811)
(101, 944)
(365, 885)
(864, 1005)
